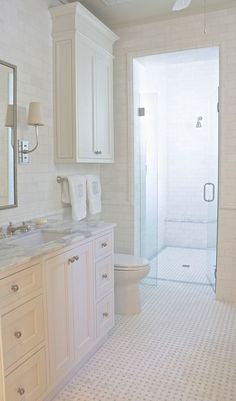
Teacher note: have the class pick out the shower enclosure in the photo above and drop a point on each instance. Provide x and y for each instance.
(176, 163)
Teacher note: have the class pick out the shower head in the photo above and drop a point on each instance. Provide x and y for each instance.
(199, 124)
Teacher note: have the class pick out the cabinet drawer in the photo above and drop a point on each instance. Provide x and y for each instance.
(105, 315)
(104, 276)
(103, 245)
(20, 284)
(22, 330)
(28, 381)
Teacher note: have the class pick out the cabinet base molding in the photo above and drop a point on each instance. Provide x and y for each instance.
(56, 390)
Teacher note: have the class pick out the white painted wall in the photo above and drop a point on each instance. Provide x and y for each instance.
(166, 36)
(26, 41)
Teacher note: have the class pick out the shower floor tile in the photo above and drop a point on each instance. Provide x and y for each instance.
(182, 347)
(180, 264)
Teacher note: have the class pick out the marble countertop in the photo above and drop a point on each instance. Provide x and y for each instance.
(14, 254)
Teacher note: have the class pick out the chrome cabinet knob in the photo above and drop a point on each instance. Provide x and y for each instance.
(105, 314)
(104, 276)
(21, 391)
(15, 287)
(98, 152)
(18, 334)
(76, 257)
(104, 244)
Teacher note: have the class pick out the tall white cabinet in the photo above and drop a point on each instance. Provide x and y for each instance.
(83, 86)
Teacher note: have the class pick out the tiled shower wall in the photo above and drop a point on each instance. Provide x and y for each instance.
(26, 42)
(163, 36)
(192, 152)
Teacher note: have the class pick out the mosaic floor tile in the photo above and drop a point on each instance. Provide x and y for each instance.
(182, 347)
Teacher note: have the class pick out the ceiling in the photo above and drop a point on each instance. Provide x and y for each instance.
(124, 12)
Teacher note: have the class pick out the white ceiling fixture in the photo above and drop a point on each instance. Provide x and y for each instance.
(181, 5)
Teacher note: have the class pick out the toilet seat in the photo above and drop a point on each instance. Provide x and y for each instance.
(123, 262)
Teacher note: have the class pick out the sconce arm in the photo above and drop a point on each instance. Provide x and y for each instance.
(37, 143)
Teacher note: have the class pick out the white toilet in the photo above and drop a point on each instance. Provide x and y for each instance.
(129, 271)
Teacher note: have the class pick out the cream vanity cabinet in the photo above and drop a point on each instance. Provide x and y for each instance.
(70, 306)
(23, 371)
(83, 86)
(55, 312)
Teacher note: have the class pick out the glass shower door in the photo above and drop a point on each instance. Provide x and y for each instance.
(211, 195)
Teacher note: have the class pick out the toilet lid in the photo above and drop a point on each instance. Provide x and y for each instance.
(123, 261)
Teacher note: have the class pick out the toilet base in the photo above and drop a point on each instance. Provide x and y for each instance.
(127, 299)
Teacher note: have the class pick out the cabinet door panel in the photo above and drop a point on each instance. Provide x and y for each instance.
(60, 325)
(83, 300)
(30, 379)
(64, 99)
(22, 330)
(103, 139)
(85, 99)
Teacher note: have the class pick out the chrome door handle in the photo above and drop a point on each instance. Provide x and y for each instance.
(105, 314)
(213, 192)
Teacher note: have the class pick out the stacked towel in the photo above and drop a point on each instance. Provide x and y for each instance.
(94, 194)
(77, 196)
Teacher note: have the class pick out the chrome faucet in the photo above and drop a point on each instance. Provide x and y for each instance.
(24, 228)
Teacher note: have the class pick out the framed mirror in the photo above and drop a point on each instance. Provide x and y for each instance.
(8, 136)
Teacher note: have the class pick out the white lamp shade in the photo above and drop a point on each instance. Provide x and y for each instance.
(35, 115)
(10, 116)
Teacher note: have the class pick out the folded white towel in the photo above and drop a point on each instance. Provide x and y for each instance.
(77, 188)
(94, 194)
(65, 193)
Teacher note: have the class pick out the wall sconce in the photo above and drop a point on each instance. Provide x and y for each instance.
(34, 119)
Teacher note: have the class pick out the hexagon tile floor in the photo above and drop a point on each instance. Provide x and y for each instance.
(182, 347)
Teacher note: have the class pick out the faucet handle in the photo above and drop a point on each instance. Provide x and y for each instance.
(25, 227)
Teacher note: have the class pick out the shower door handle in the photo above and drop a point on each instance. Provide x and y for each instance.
(209, 184)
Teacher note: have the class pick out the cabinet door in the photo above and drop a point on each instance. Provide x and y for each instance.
(103, 135)
(85, 99)
(60, 323)
(83, 274)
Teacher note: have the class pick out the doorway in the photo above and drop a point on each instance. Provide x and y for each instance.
(176, 112)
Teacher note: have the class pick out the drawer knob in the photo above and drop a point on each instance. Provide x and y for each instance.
(21, 391)
(76, 257)
(104, 276)
(105, 314)
(15, 287)
(104, 244)
(71, 260)
(18, 334)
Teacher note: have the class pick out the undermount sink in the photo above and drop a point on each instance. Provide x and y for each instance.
(38, 238)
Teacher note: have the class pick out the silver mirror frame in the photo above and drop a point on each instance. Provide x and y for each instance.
(14, 68)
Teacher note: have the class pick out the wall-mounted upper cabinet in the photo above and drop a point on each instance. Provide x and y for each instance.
(83, 86)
